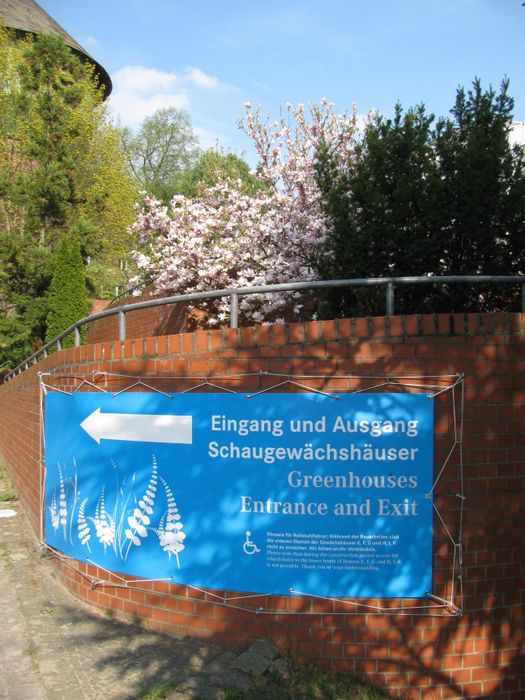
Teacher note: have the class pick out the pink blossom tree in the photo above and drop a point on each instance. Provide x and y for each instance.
(227, 238)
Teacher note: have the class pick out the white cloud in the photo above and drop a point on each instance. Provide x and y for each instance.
(138, 92)
(202, 79)
(131, 109)
(138, 79)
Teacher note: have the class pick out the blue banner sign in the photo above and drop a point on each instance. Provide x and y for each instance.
(274, 493)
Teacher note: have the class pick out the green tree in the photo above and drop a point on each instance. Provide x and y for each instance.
(61, 165)
(75, 164)
(482, 200)
(164, 147)
(60, 157)
(25, 274)
(68, 300)
(422, 200)
(381, 208)
(213, 166)
(50, 90)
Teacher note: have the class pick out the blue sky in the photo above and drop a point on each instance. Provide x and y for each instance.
(211, 56)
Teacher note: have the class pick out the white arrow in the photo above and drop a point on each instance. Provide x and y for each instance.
(141, 427)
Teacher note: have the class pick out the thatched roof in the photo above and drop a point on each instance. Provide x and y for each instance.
(27, 16)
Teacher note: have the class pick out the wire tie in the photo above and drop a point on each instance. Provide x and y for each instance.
(454, 610)
(459, 547)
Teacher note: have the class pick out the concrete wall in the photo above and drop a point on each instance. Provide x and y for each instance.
(479, 655)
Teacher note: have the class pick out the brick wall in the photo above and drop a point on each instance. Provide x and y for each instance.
(157, 320)
(479, 655)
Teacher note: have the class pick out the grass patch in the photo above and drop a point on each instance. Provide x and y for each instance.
(294, 683)
(7, 492)
(4, 553)
(157, 692)
(306, 683)
(7, 496)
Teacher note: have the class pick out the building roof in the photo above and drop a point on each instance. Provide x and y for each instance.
(28, 17)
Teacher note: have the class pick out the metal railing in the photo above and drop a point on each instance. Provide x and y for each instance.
(388, 282)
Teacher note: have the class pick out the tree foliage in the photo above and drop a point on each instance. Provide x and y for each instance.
(228, 236)
(61, 165)
(68, 299)
(482, 203)
(419, 199)
(61, 158)
(25, 274)
(162, 150)
(404, 196)
(51, 92)
(215, 166)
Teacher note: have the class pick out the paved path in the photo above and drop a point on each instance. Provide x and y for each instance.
(53, 648)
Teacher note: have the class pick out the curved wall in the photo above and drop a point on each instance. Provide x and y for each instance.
(477, 655)
(157, 320)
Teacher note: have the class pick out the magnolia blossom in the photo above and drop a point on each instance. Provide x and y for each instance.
(226, 238)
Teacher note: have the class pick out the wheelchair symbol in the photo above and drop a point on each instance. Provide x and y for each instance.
(250, 547)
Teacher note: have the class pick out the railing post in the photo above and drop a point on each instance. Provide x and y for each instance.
(121, 325)
(77, 337)
(234, 310)
(59, 345)
(390, 299)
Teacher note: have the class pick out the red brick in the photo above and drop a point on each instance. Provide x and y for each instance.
(279, 334)
(515, 323)
(201, 340)
(458, 323)
(162, 344)
(484, 673)
(328, 330)
(395, 326)
(379, 327)
(263, 335)
(175, 344)
(345, 328)
(296, 333)
(320, 634)
(412, 325)
(200, 366)
(127, 348)
(361, 327)
(188, 342)
(177, 618)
